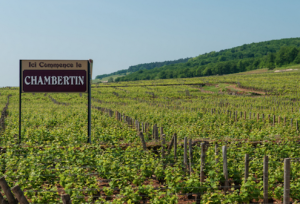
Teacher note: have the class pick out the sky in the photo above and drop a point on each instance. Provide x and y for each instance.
(119, 33)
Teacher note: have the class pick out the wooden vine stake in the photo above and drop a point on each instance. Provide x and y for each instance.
(138, 126)
(286, 190)
(225, 170)
(175, 146)
(10, 197)
(216, 153)
(66, 199)
(202, 162)
(185, 152)
(161, 132)
(265, 179)
(246, 167)
(143, 141)
(2, 200)
(155, 132)
(163, 144)
(171, 144)
(284, 120)
(19, 195)
(190, 156)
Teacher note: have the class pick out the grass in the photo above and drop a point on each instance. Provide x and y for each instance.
(215, 88)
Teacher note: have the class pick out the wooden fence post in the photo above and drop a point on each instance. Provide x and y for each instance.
(246, 167)
(286, 190)
(265, 179)
(225, 170)
(10, 197)
(19, 194)
(66, 199)
(202, 162)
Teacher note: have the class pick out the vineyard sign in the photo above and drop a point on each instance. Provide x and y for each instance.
(56, 76)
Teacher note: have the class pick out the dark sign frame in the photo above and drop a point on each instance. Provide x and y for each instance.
(88, 81)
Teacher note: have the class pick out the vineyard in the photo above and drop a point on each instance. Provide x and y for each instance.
(219, 139)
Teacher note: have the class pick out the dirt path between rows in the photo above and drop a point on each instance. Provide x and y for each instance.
(204, 91)
(232, 86)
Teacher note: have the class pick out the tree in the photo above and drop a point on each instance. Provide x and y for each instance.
(207, 71)
(110, 79)
(282, 56)
(297, 59)
(241, 66)
(162, 75)
(271, 61)
(292, 54)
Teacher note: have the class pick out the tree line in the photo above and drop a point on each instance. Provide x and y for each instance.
(145, 66)
(268, 54)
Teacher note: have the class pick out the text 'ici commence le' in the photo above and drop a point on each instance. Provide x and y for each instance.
(54, 65)
(54, 80)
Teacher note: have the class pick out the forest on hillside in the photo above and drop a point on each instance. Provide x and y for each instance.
(144, 66)
(268, 54)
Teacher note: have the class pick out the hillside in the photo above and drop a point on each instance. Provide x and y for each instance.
(270, 54)
(134, 68)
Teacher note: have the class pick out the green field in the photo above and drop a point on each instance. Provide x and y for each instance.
(54, 157)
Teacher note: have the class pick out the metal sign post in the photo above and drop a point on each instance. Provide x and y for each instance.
(90, 67)
(20, 102)
(55, 76)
